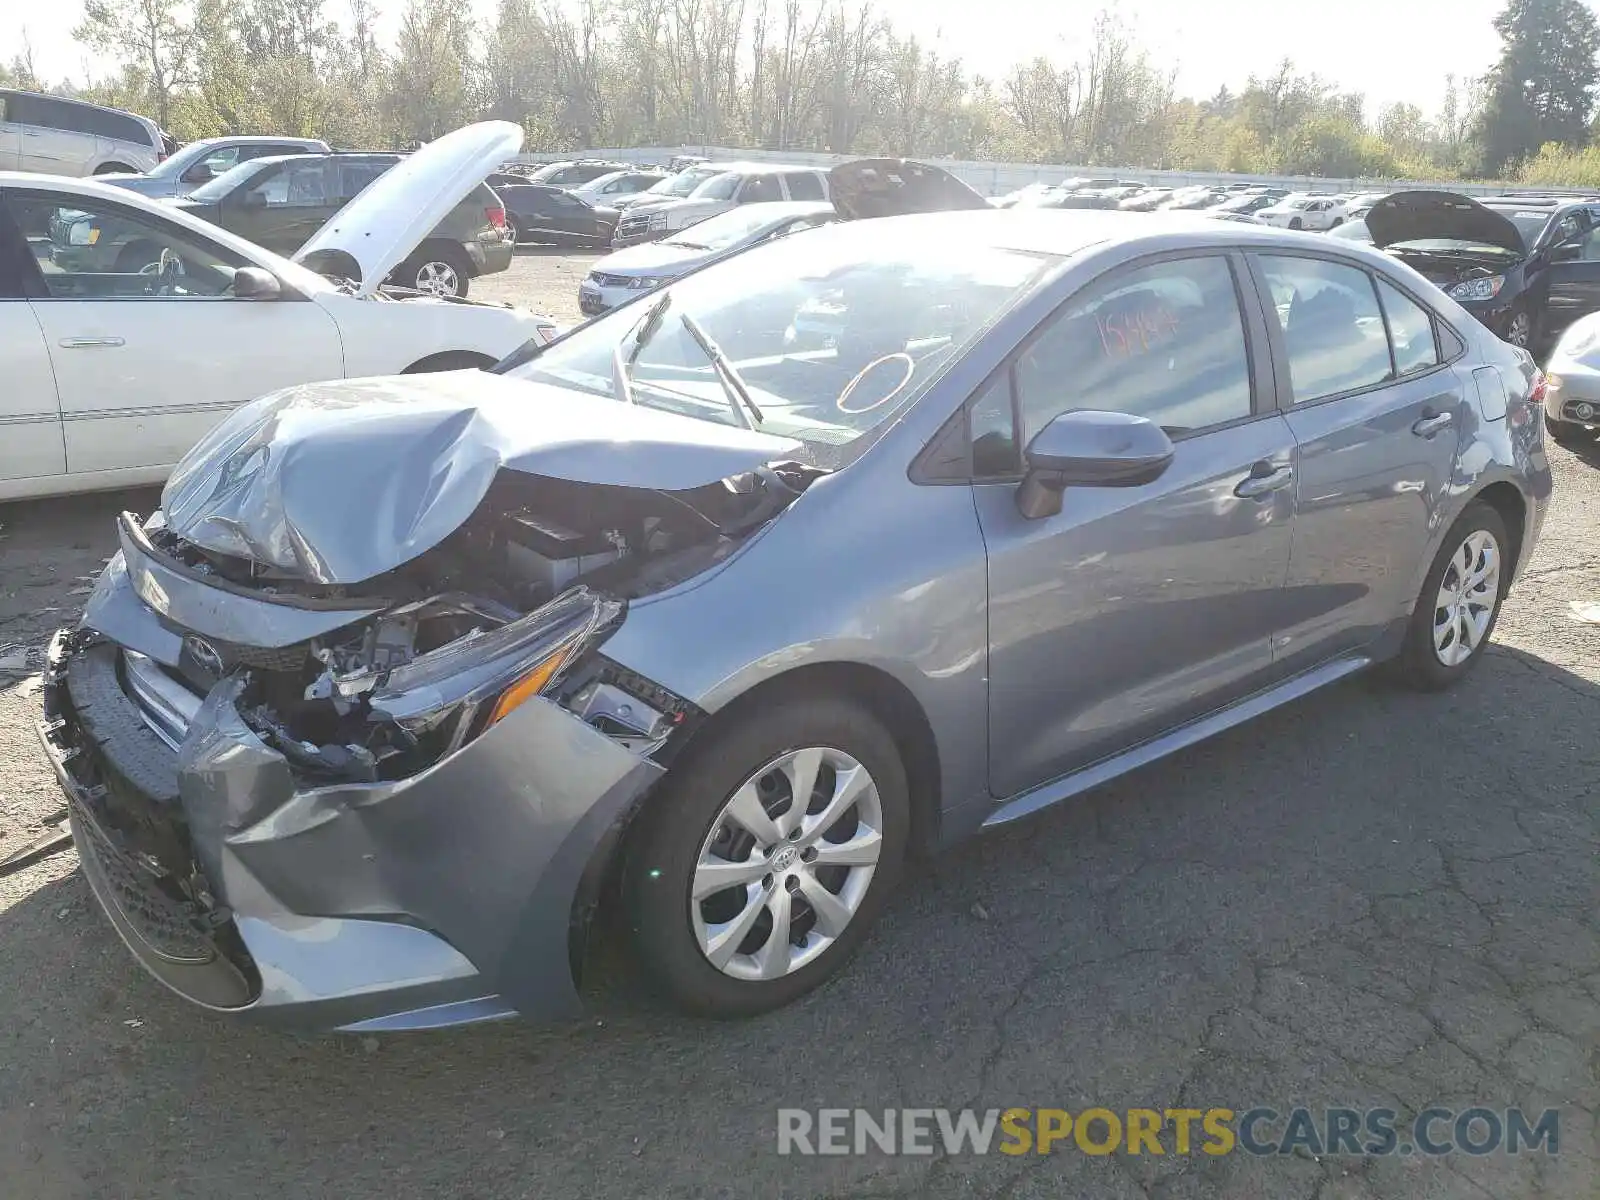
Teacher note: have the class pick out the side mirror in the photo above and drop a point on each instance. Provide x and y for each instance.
(254, 283)
(1566, 252)
(199, 173)
(1090, 449)
(253, 200)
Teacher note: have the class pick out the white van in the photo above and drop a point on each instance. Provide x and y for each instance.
(57, 136)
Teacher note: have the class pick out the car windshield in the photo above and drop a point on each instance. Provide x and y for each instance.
(683, 182)
(230, 179)
(830, 335)
(176, 164)
(1530, 224)
(549, 173)
(720, 187)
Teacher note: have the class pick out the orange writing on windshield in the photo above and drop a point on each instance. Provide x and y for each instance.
(1125, 335)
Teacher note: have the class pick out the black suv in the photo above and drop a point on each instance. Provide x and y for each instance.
(280, 202)
(1525, 266)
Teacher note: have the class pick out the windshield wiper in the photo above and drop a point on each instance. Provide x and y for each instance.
(738, 393)
(622, 365)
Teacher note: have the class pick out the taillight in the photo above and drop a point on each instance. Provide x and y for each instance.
(497, 217)
(1523, 414)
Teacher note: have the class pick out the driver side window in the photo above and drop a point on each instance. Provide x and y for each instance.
(101, 251)
(1165, 342)
(296, 185)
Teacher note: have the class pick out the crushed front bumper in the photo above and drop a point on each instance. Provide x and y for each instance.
(441, 899)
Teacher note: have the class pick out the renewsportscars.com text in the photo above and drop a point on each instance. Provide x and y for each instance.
(1216, 1131)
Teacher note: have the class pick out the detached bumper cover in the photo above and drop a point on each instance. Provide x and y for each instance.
(439, 899)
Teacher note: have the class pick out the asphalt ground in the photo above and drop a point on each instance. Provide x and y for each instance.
(1371, 899)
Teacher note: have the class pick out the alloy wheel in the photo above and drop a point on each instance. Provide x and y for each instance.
(787, 864)
(1521, 330)
(438, 278)
(1468, 593)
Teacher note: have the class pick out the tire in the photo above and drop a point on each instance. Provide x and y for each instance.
(449, 360)
(687, 822)
(1337, 221)
(1570, 436)
(114, 168)
(1296, 223)
(436, 270)
(1422, 664)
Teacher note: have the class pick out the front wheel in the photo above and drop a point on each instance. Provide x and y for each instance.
(1460, 602)
(757, 870)
(1296, 223)
(1520, 332)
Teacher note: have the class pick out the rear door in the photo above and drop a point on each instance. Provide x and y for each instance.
(146, 361)
(283, 205)
(1574, 271)
(50, 144)
(31, 445)
(1377, 416)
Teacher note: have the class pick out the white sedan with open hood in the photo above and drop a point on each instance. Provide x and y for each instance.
(128, 329)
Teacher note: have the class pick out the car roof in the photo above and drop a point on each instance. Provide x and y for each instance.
(256, 139)
(1065, 232)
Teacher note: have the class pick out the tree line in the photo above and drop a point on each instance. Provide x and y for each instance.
(813, 75)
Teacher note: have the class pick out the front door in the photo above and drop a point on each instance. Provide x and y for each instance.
(1377, 418)
(149, 355)
(1573, 275)
(1133, 610)
(30, 419)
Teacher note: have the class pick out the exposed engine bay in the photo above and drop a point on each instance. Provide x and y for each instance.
(523, 591)
(1444, 268)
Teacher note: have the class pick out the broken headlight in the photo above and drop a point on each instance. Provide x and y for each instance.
(497, 670)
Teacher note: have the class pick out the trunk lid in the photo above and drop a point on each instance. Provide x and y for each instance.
(390, 218)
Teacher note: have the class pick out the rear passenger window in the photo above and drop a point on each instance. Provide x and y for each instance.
(761, 189)
(1410, 332)
(1165, 342)
(1332, 326)
(804, 186)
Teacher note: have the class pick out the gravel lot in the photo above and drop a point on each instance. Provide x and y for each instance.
(545, 281)
(1372, 898)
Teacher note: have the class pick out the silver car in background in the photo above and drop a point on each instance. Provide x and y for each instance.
(53, 135)
(200, 162)
(360, 726)
(621, 276)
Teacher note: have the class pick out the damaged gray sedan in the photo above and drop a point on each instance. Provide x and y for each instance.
(729, 600)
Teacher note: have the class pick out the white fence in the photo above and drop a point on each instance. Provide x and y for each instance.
(996, 179)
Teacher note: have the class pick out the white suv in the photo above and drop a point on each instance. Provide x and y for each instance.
(747, 183)
(57, 136)
(1305, 212)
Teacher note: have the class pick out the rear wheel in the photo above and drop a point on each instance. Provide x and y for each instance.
(1296, 223)
(114, 168)
(449, 360)
(435, 271)
(756, 872)
(1460, 601)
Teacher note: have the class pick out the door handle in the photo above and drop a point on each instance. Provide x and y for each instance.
(1432, 422)
(84, 343)
(1263, 480)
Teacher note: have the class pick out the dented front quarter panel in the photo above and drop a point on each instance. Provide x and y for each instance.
(485, 849)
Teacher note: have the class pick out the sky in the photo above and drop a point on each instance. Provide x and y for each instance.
(1392, 50)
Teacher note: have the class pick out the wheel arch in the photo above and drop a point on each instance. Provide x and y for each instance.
(444, 248)
(1506, 500)
(886, 697)
(450, 360)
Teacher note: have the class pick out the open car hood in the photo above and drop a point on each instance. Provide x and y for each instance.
(890, 187)
(338, 482)
(391, 216)
(1417, 216)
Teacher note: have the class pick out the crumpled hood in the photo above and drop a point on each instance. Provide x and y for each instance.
(338, 482)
